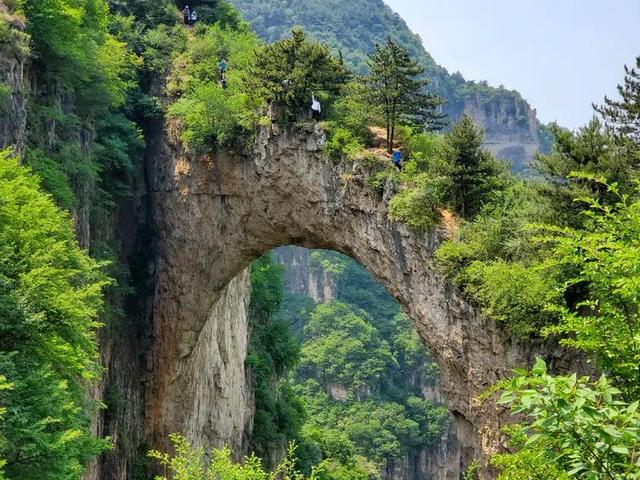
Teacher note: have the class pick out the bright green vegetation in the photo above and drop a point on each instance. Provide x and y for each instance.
(361, 348)
(272, 352)
(190, 463)
(579, 428)
(359, 377)
(210, 113)
(50, 298)
(559, 258)
(307, 67)
(451, 172)
(354, 28)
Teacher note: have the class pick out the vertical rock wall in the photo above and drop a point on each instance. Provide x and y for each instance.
(13, 85)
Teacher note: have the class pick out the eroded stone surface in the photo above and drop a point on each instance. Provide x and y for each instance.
(216, 214)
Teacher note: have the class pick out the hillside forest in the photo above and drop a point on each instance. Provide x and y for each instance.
(338, 386)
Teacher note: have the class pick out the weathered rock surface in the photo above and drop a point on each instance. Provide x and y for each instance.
(216, 214)
(13, 89)
(304, 278)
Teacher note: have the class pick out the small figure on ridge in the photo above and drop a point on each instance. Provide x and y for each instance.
(396, 157)
(316, 108)
(186, 12)
(222, 68)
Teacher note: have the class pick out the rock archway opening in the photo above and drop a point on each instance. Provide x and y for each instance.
(343, 349)
(217, 214)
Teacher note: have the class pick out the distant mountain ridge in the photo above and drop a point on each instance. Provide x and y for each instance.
(512, 129)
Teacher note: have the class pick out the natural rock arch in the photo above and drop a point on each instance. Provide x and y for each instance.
(217, 213)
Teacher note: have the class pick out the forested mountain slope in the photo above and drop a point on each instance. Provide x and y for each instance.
(363, 373)
(353, 28)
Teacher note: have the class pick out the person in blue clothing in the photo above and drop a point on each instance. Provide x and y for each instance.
(396, 157)
(222, 68)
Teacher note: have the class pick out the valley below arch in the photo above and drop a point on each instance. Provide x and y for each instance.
(215, 214)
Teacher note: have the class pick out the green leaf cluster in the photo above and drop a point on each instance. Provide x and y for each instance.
(50, 298)
(575, 428)
(189, 463)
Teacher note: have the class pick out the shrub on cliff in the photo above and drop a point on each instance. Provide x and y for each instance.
(288, 71)
(213, 114)
(50, 297)
(190, 463)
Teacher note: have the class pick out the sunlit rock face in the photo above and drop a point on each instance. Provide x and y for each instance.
(214, 214)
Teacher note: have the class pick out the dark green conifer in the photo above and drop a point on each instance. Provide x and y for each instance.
(474, 173)
(289, 71)
(397, 87)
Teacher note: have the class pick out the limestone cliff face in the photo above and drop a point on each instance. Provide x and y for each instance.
(510, 126)
(301, 276)
(214, 214)
(217, 406)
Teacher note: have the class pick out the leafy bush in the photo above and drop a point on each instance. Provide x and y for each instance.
(5, 97)
(50, 297)
(189, 463)
(342, 143)
(602, 261)
(418, 205)
(575, 428)
(13, 41)
(213, 115)
(513, 293)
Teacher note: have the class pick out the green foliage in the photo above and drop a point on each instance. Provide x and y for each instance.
(591, 151)
(342, 347)
(359, 378)
(13, 41)
(5, 97)
(50, 297)
(623, 115)
(307, 66)
(451, 170)
(474, 173)
(342, 143)
(603, 261)
(54, 179)
(354, 111)
(272, 352)
(212, 115)
(395, 87)
(513, 293)
(190, 463)
(575, 428)
(353, 28)
(418, 205)
(73, 46)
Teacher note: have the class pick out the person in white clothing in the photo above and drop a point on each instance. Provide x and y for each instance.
(316, 108)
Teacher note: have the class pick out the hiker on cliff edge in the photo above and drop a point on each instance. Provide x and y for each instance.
(396, 157)
(222, 68)
(186, 14)
(316, 108)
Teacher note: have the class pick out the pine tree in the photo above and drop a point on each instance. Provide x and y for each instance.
(289, 71)
(475, 174)
(623, 116)
(398, 88)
